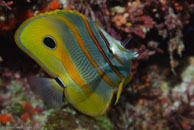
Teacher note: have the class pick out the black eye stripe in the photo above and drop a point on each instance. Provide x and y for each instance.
(106, 41)
(49, 42)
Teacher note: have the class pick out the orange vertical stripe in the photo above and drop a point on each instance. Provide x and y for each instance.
(84, 49)
(99, 47)
(71, 70)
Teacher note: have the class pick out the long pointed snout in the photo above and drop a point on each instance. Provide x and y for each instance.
(132, 54)
(135, 54)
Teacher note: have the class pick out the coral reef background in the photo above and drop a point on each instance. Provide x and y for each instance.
(161, 93)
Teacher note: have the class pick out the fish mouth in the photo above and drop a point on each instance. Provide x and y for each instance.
(135, 54)
(132, 54)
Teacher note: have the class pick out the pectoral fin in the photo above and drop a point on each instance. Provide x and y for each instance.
(48, 89)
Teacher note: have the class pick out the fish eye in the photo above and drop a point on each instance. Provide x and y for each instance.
(49, 42)
(110, 50)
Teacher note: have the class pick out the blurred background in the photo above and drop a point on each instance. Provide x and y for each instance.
(161, 92)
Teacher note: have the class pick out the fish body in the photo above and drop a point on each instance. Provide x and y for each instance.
(85, 63)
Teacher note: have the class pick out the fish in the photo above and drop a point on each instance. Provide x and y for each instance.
(84, 63)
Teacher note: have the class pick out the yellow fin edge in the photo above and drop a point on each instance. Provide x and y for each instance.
(123, 82)
(120, 90)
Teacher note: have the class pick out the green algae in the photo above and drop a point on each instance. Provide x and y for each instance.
(68, 120)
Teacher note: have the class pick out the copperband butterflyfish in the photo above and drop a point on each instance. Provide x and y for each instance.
(83, 61)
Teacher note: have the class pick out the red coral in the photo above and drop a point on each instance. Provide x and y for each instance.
(19, 12)
(10, 24)
(133, 20)
(25, 116)
(54, 5)
(4, 118)
(28, 108)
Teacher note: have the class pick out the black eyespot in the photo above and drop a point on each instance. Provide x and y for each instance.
(49, 42)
